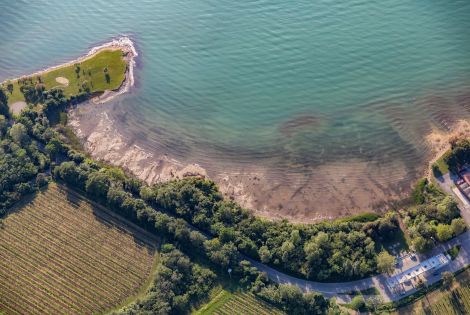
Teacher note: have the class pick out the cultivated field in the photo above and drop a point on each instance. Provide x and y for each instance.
(59, 254)
(455, 302)
(240, 303)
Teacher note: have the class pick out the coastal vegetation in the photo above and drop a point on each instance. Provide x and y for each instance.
(99, 72)
(22, 164)
(434, 217)
(178, 285)
(63, 254)
(326, 251)
(459, 155)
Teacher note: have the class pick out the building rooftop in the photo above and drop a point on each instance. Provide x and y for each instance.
(432, 264)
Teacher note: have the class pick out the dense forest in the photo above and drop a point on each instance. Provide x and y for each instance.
(178, 285)
(337, 250)
(22, 164)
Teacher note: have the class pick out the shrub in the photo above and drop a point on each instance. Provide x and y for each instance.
(357, 303)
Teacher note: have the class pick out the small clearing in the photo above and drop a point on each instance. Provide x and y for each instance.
(17, 107)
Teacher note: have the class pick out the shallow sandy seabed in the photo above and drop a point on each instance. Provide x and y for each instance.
(328, 191)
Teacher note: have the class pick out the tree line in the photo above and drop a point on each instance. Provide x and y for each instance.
(22, 164)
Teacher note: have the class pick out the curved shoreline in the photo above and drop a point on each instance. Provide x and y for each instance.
(252, 188)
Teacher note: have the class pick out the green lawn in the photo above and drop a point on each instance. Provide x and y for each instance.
(440, 167)
(91, 71)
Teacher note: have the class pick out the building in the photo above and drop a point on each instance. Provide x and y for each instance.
(397, 282)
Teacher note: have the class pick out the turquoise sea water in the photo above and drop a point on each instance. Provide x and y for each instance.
(288, 84)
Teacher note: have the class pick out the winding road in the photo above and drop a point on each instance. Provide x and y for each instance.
(339, 289)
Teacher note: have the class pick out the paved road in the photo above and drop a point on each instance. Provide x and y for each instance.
(338, 289)
(379, 282)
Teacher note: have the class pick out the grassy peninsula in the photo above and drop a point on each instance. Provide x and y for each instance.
(98, 72)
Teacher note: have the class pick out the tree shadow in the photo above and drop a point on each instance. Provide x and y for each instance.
(111, 220)
(20, 204)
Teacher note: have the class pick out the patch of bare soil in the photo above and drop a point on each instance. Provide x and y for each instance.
(62, 80)
(17, 107)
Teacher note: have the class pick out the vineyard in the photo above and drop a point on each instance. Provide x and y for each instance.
(455, 302)
(60, 254)
(240, 303)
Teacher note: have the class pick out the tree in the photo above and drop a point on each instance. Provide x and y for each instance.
(10, 87)
(357, 303)
(3, 125)
(55, 147)
(447, 209)
(97, 185)
(106, 75)
(421, 244)
(77, 70)
(264, 254)
(444, 232)
(222, 254)
(458, 226)
(287, 250)
(313, 252)
(447, 279)
(4, 110)
(385, 262)
(18, 133)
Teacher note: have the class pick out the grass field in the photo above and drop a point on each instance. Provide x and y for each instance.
(443, 302)
(60, 254)
(91, 71)
(238, 303)
(440, 167)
